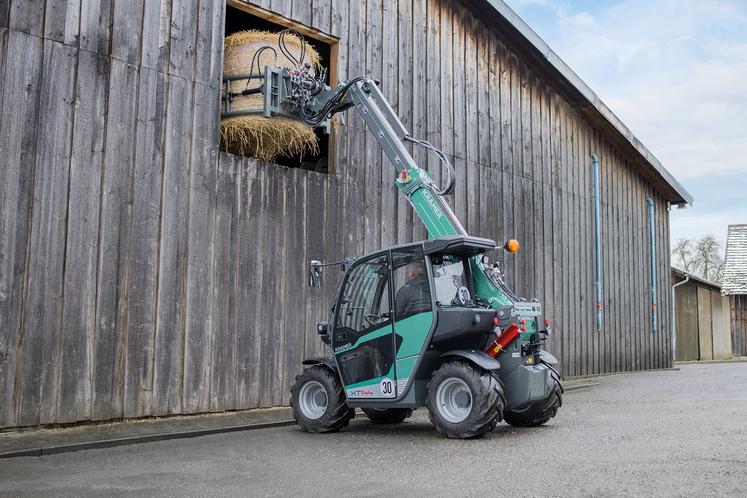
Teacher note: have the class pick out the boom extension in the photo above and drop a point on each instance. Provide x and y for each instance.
(299, 94)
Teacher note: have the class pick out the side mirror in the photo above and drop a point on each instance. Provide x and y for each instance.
(322, 327)
(315, 273)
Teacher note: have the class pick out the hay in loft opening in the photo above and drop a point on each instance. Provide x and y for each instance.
(267, 138)
(254, 135)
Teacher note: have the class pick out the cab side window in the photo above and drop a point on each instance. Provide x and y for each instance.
(412, 289)
(364, 302)
(449, 280)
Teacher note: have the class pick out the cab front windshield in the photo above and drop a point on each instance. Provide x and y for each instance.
(448, 279)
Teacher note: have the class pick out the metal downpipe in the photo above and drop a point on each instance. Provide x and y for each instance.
(598, 242)
(650, 203)
(674, 315)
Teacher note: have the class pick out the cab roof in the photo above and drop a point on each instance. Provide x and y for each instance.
(458, 245)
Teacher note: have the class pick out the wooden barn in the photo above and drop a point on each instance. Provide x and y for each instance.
(143, 272)
(735, 286)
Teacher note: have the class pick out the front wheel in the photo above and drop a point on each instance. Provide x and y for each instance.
(464, 401)
(318, 401)
(538, 412)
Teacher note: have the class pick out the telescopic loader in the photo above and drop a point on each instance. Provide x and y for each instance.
(426, 324)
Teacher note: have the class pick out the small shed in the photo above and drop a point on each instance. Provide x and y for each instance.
(701, 318)
(735, 285)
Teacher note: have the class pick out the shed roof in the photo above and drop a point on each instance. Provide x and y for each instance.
(734, 280)
(524, 40)
(682, 274)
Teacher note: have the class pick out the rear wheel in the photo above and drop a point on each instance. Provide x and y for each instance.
(464, 401)
(387, 415)
(318, 401)
(538, 412)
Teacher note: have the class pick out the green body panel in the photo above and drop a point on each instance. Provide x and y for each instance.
(484, 287)
(414, 331)
(405, 366)
(367, 337)
(428, 206)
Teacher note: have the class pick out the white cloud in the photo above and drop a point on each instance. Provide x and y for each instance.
(675, 72)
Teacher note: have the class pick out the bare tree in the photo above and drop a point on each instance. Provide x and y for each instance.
(701, 257)
(682, 253)
(707, 257)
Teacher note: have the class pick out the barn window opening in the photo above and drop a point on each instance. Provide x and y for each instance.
(282, 141)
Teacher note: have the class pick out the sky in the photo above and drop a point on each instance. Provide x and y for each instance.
(675, 72)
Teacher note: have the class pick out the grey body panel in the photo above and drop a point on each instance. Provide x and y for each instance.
(526, 384)
(479, 358)
(548, 358)
(321, 360)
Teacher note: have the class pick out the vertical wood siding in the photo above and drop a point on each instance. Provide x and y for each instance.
(703, 331)
(738, 325)
(143, 272)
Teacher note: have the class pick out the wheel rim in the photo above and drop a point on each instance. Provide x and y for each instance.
(312, 400)
(454, 400)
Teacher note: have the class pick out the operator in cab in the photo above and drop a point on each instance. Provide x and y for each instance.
(415, 296)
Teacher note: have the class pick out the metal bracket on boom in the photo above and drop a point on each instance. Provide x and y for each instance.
(296, 93)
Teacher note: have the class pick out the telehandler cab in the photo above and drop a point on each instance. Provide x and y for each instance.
(427, 324)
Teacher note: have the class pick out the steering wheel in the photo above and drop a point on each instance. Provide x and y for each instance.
(372, 319)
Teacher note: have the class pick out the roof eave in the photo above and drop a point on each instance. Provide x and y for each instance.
(684, 274)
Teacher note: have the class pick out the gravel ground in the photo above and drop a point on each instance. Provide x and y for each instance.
(666, 433)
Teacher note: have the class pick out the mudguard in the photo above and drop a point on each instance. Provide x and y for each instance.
(479, 358)
(322, 360)
(546, 357)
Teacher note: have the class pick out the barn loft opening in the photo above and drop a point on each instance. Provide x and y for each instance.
(240, 17)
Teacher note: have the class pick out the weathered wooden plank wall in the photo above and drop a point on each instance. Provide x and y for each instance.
(688, 347)
(721, 326)
(705, 324)
(738, 305)
(702, 324)
(144, 273)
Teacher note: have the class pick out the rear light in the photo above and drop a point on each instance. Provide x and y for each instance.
(504, 339)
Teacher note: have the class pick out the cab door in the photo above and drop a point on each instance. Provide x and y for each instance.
(363, 338)
(413, 311)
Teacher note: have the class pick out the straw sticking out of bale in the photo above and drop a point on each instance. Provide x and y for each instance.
(255, 135)
(266, 139)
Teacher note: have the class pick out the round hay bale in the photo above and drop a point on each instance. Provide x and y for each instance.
(254, 135)
(266, 139)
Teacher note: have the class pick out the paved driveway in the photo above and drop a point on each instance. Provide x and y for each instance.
(680, 433)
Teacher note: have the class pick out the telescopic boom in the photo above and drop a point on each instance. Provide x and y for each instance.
(296, 93)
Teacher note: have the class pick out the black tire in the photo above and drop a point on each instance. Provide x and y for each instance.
(388, 415)
(487, 400)
(337, 413)
(539, 412)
